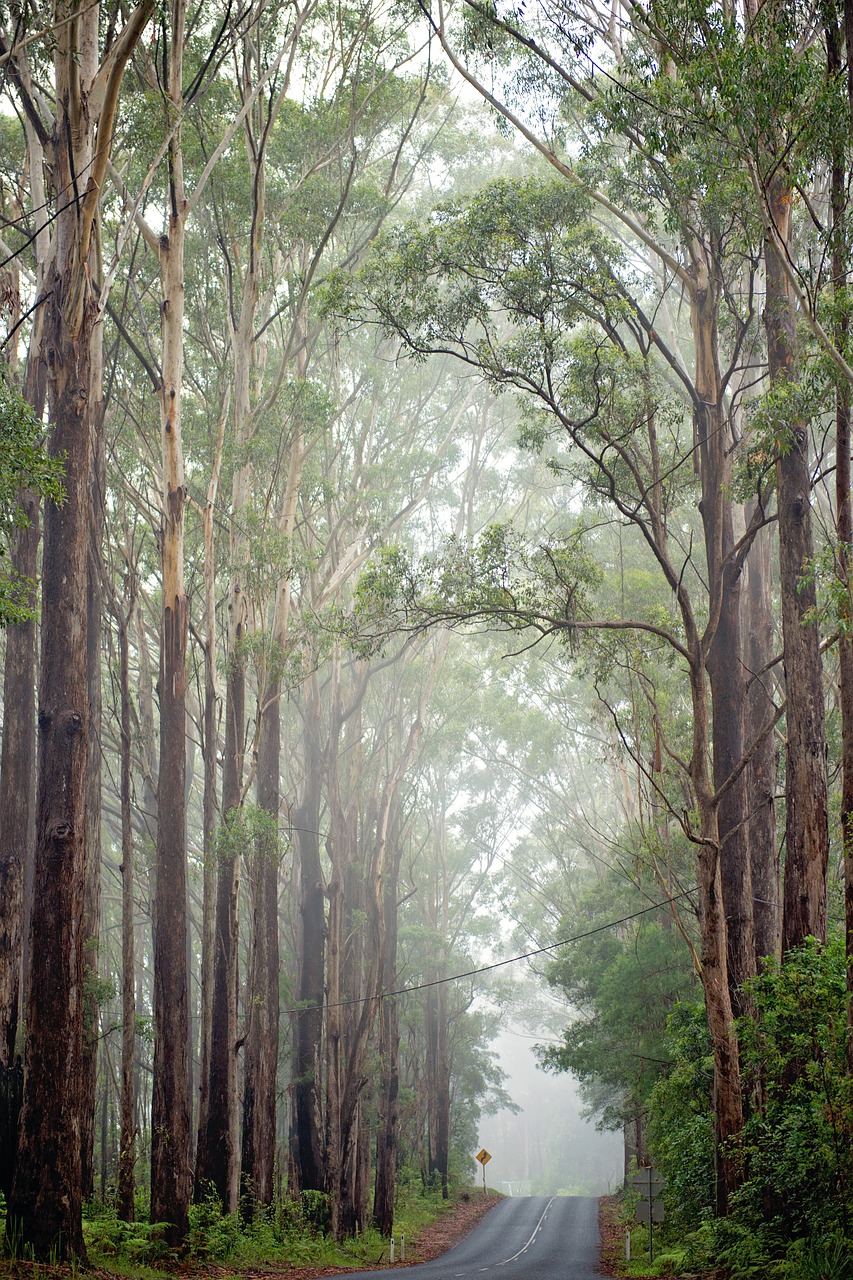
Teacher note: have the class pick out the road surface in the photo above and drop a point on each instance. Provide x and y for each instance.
(522, 1238)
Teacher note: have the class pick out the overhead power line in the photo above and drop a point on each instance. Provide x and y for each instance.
(498, 964)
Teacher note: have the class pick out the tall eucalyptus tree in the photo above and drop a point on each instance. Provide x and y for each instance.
(45, 1205)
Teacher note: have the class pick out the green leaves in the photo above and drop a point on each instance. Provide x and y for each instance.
(496, 580)
(24, 464)
(521, 252)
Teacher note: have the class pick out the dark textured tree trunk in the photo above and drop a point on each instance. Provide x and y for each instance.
(806, 826)
(364, 1152)
(728, 689)
(389, 1054)
(45, 1205)
(261, 1060)
(358, 955)
(17, 775)
(221, 1151)
(171, 1180)
(306, 1144)
(17, 780)
(44, 1210)
(439, 1101)
(17, 771)
(170, 1120)
(761, 772)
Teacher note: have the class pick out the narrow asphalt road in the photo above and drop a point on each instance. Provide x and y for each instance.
(534, 1238)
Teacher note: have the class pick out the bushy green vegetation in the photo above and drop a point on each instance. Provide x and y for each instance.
(792, 1217)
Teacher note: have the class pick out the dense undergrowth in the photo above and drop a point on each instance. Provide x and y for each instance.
(293, 1234)
(792, 1218)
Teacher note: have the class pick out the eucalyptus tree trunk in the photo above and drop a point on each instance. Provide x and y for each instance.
(18, 760)
(125, 1209)
(724, 661)
(17, 774)
(170, 1119)
(762, 769)
(148, 734)
(438, 1084)
(221, 1149)
(387, 1131)
(353, 963)
(336, 1148)
(307, 1162)
(806, 816)
(210, 745)
(836, 38)
(261, 1061)
(385, 876)
(44, 1210)
(92, 892)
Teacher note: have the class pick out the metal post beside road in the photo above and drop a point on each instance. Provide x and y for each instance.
(649, 1183)
(484, 1158)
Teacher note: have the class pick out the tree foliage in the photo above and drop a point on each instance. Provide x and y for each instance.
(24, 465)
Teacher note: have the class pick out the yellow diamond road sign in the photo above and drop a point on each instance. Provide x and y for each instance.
(483, 1156)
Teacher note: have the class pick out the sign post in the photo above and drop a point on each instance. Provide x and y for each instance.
(484, 1157)
(650, 1184)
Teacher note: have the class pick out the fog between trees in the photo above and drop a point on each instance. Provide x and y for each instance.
(452, 411)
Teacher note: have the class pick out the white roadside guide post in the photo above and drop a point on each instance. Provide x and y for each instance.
(650, 1184)
(484, 1158)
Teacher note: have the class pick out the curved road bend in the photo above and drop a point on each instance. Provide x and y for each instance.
(522, 1238)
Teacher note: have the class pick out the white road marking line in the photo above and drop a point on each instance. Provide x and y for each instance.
(532, 1238)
